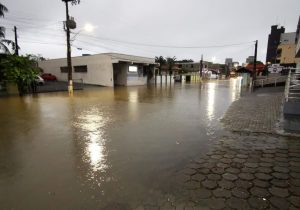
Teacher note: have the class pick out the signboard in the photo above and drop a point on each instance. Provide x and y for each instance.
(275, 68)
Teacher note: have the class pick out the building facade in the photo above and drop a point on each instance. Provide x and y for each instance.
(108, 69)
(297, 50)
(273, 42)
(286, 49)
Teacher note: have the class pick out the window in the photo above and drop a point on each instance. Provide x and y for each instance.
(80, 69)
(133, 69)
(64, 69)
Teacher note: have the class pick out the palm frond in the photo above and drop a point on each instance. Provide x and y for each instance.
(4, 48)
(3, 9)
(2, 32)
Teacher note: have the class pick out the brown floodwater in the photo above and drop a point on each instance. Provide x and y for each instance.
(105, 147)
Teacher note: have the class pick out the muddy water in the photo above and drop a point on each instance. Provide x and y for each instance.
(105, 147)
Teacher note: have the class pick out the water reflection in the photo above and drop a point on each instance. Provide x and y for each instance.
(236, 88)
(211, 100)
(91, 123)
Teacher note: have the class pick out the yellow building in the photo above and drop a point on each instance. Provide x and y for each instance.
(286, 50)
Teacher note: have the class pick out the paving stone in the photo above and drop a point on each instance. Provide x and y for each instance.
(248, 170)
(198, 177)
(258, 203)
(281, 169)
(209, 184)
(228, 156)
(251, 165)
(214, 177)
(236, 165)
(267, 160)
(295, 169)
(217, 157)
(259, 192)
(280, 175)
(282, 155)
(295, 164)
(263, 164)
(263, 176)
(295, 175)
(280, 203)
(295, 182)
(281, 159)
(222, 165)
(246, 176)
(240, 193)
(229, 176)
(238, 160)
(279, 183)
(237, 203)
(260, 183)
(208, 165)
(232, 170)
(295, 200)
(295, 190)
(243, 184)
(221, 193)
(280, 192)
(204, 171)
(243, 156)
(226, 160)
(268, 155)
(265, 170)
(200, 194)
(295, 159)
(226, 184)
(217, 170)
(189, 171)
(269, 151)
(216, 203)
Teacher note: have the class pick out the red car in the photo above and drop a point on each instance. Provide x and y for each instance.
(49, 77)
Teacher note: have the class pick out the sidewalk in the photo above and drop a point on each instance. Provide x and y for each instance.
(250, 167)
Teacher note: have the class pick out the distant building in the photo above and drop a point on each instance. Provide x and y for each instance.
(287, 49)
(273, 42)
(250, 59)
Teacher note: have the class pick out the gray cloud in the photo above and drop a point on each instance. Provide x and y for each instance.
(156, 22)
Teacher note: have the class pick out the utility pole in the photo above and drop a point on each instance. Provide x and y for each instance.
(254, 63)
(16, 41)
(201, 66)
(70, 82)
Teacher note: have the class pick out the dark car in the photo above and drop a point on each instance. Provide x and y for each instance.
(49, 77)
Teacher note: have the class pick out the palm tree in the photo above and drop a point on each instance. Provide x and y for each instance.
(161, 60)
(4, 42)
(170, 62)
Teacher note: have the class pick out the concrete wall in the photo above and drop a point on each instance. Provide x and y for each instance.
(288, 38)
(120, 73)
(99, 67)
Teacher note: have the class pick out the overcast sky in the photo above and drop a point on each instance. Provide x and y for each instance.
(177, 23)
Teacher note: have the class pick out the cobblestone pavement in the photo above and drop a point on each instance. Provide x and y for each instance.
(243, 171)
(256, 169)
(258, 112)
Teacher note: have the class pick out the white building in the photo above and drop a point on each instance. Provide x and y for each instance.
(107, 69)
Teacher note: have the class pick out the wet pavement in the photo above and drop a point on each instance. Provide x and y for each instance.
(107, 148)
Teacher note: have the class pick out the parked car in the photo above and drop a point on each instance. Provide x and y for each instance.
(49, 77)
(39, 80)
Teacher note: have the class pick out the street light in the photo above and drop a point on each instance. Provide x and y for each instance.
(69, 24)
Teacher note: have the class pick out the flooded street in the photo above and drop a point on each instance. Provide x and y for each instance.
(105, 148)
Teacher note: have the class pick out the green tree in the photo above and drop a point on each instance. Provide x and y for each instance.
(19, 70)
(171, 63)
(162, 61)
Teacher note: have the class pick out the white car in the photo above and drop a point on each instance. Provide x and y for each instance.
(39, 80)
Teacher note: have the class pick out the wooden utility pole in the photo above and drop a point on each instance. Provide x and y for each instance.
(16, 41)
(254, 63)
(201, 66)
(70, 82)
